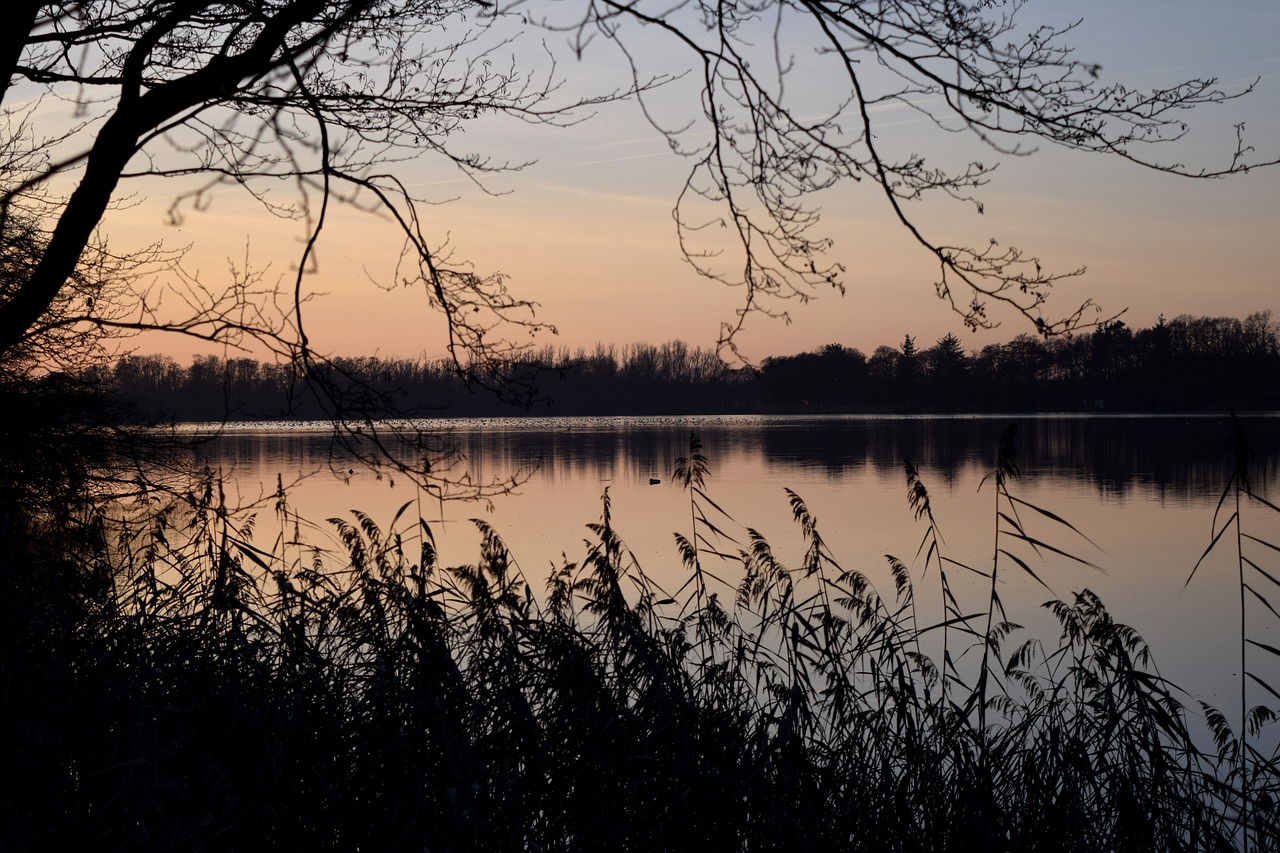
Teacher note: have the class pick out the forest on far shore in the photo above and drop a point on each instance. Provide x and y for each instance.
(1187, 363)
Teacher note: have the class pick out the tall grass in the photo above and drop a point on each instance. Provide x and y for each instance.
(174, 684)
(1250, 783)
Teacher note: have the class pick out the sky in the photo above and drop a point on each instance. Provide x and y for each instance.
(586, 229)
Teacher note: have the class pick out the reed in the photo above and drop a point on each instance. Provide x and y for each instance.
(180, 685)
(1250, 781)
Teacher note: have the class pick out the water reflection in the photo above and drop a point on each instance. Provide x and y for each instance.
(1142, 488)
(1180, 457)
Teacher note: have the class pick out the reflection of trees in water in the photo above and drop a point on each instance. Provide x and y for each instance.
(594, 450)
(1172, 456)
(268, 450)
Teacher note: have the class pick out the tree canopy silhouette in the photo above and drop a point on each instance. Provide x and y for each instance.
(327, 95)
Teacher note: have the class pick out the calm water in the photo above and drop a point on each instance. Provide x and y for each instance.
(1143, 489)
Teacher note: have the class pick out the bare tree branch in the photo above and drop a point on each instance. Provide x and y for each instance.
(326, 97)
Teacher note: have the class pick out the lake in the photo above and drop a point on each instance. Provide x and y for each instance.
(1142, 489)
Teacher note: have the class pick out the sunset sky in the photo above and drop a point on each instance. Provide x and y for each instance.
(587, 232)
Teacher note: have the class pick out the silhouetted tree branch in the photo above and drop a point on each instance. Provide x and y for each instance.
(319, 94)
(775, 129)
(325, 96)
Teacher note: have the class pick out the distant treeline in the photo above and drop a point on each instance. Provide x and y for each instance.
(1184, 363)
